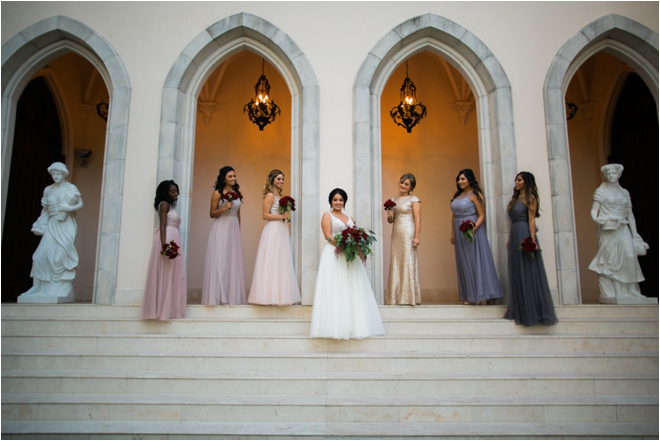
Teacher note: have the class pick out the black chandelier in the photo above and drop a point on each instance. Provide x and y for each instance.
(408, 114)
(571, 110)
(262, 110)
(102, 110)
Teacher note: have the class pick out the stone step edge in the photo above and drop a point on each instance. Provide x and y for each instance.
(378, 430)
(315, 355)
(330, 375)
(332, 400)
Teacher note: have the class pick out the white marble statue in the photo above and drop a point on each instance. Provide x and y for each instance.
(55, 260)
(619, 244)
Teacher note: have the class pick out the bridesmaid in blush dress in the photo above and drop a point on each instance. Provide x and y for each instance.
(224, 272)
(530, 302)
(165, 292)
(475, 268)
(274, 279)
(403, 282)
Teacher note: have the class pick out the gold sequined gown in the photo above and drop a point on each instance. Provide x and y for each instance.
(403, 285)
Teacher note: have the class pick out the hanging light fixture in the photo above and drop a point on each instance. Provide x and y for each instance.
(571, 110)
(408, 113)
(262, 110)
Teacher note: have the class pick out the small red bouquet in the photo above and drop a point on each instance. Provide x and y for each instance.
(230, 196)
(354, 241)
(287, 205)
(529, 246)
(171, 250)
(467, 228)
(389, 204)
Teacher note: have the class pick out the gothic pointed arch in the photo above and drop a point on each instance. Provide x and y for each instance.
(22, 57)
(193, 66)
(631, 42)
(494, 105)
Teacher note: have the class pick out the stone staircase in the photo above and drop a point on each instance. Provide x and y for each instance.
(79, 370)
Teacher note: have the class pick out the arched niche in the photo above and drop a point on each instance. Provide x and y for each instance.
(23, 56)
(176, 147)
(494, 111)
(637, 46)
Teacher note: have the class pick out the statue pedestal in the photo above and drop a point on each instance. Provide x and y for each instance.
(36, 298)
(46, 292)
(628, 300)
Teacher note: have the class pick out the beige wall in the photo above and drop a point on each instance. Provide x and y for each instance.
(231, 139)
(336, 38)
(73, 74)
(434, 152)
(594, 82)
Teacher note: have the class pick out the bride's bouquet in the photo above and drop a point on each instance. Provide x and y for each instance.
(354, 241)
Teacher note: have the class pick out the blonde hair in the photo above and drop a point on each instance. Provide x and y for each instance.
(268, 185)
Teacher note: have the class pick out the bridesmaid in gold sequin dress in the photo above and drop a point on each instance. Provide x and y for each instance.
(403, 286)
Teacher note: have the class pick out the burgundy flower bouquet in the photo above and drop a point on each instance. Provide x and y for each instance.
(529, 246)
(467, 228)
(287, 205)
(354, 241)
(389, 204)
(230, 196)
(171, 250)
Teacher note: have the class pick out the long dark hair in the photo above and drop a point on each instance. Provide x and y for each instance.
(531, 192)
(476, 189)
(220, 181)
(163, 193)
(340, 192)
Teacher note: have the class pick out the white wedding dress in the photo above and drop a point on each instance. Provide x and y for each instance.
(344, 303)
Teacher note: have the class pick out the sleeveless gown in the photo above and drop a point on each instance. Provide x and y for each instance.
(344, 303)
(475, 268)
(165, 292)
(530, 302)
(403, 281)
(224, 270)
(274, 279)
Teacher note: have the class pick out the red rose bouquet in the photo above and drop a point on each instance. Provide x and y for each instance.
(287, 205)
(171, 250)
(354, 241)
(389, 204)
(230, 196)
(467, 228)
(529, 246)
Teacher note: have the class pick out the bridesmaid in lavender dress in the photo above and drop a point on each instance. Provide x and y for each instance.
(224, 271)
(165, 292)
(477, 277)
(274, 280)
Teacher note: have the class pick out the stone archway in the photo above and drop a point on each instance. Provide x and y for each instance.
(196, 62)
(494, 109)
(634, 44)
(22, 58)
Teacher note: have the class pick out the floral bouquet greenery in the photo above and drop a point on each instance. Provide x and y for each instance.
(354, 241)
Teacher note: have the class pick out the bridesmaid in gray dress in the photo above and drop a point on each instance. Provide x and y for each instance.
(530, 302)
(477, 278)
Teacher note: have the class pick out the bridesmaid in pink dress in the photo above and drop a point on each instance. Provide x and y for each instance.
(224, 271)
(165, 292)
(274, 281)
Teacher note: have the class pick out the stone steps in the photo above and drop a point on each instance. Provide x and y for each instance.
(330, 408)
(503, 362)
(296, 430)
(301, 326)
(286, 343)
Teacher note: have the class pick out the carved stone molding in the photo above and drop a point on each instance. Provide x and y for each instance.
(207, 109)
(588, 109)
(83, 110)
(463, 108)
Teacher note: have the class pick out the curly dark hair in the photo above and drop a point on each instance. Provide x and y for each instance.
(476, 189)
(162, 193)
(531, 193)
(220, 181)
(340, 192)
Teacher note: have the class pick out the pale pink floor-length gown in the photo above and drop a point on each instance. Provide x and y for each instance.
(224, 270)
(274, 280)
(165, 292)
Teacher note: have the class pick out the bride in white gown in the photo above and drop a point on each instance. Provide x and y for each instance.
(344, 303)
